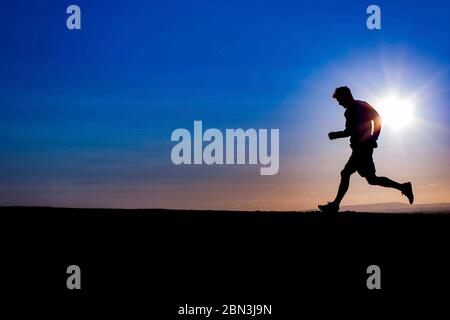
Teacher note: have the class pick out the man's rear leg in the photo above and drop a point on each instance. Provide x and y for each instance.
(405, 188)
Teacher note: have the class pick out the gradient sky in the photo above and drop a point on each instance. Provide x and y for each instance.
(86, 116)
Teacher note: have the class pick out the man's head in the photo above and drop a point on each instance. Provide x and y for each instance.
(344, 97)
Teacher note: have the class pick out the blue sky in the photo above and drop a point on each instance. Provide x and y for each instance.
(86, 116)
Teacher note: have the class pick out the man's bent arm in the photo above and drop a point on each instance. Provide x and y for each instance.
(343, 134)
(339, 134)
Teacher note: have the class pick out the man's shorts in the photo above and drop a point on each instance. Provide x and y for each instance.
(360, 161)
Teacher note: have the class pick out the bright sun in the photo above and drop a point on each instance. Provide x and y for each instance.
(396, 112)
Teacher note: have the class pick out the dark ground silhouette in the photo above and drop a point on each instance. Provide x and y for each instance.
(158, 259)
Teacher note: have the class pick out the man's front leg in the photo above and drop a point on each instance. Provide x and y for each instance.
(333, 207)
(343, 187)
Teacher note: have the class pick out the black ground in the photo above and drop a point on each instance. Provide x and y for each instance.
(157, 260)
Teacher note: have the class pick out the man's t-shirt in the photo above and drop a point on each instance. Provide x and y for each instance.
(363, 123)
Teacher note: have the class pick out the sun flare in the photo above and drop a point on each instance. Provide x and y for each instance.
(396, 112)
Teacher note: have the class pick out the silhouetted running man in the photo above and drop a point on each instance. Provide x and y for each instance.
(363, 126)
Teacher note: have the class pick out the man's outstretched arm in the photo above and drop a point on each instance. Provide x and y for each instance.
(376, 125)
